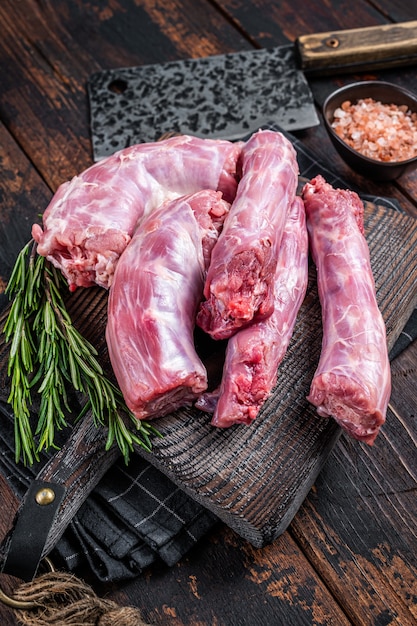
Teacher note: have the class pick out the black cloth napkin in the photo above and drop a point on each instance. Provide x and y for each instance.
(136, 516)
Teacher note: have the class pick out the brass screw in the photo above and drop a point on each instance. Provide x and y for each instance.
(332, 42)
(45, 496)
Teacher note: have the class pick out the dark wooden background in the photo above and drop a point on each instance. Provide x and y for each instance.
(349, 557)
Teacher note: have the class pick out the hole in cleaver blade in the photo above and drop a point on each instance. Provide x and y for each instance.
(223, 96)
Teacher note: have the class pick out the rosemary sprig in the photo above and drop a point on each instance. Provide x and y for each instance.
(47, 353)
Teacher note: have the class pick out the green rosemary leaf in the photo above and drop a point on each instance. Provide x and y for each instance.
(97, 403)
(19, 398)
(119, 433)
(74, 372)
(82, 347)
(14, 348)
(32, 293)
(17, 279)
(46, 354)
(83, 365)
(12, 319)
(24, 447)
(47, 423)
(110, 394)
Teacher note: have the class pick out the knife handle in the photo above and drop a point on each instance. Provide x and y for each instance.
(374, 47)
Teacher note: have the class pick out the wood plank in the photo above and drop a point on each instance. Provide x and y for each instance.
(47, 108)
(205, 588)
(359, 523)
(23, 194)
(398, 11)
(226, 582)
(7, 583)
(270, 24)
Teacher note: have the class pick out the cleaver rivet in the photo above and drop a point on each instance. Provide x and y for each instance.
(332, 42)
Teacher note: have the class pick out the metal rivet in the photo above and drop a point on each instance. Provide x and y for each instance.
(45, 496)
(332, 42)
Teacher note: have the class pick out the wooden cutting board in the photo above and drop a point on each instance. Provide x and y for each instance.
(255, 477)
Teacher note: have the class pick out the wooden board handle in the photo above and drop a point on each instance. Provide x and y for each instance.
(359, 48)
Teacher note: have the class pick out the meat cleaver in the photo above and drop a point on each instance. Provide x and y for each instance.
(228, 96)
(223, 96)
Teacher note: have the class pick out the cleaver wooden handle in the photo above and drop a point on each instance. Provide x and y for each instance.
(374, 47)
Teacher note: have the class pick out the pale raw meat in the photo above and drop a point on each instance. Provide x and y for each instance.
(153, 300)
(352, 382)
(254, 353)
(91, 219)
(238, 288)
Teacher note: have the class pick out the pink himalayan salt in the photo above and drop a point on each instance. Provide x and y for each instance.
(383, 132)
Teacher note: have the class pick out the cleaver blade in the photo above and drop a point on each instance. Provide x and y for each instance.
(221, 97)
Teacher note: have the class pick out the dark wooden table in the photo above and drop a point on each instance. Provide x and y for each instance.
(349, 556)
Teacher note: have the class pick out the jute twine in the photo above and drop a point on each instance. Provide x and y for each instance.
(61, 599)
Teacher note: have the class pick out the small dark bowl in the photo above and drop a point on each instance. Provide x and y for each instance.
(387, 93)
